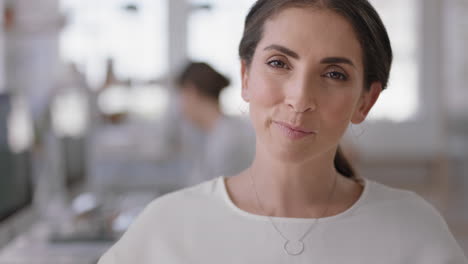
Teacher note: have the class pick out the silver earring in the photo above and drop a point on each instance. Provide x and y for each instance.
(243, 110)
(361, 132)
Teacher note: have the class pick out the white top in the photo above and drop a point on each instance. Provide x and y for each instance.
(201, 224)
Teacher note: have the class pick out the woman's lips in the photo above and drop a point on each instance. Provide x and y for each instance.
(293, 132)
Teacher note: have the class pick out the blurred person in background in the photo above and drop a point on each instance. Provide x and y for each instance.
(226, 143)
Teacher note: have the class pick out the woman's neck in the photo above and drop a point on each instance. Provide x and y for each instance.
(286, 189)
(299, 191)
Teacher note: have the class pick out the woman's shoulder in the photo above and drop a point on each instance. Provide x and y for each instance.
(163, 218)
(383, 195)
(406, 211)
(396, 201)
(186, 198)
(407, 217)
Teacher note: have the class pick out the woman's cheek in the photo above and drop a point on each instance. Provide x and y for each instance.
(339, 108)
(265, 92)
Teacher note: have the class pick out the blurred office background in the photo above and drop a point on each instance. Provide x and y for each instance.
(90, 130)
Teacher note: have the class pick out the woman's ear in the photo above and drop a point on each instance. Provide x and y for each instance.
(245, 77)
(366, 102)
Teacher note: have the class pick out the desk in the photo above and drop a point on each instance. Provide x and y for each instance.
(34, 247)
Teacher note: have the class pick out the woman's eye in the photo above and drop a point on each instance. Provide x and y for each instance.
(336, 75)
(278, 64)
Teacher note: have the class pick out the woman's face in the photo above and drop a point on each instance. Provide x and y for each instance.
(305, 83)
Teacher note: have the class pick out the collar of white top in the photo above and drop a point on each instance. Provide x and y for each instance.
(221, 183)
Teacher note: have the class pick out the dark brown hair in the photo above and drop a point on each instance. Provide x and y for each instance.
(206, 80)
(368, 27)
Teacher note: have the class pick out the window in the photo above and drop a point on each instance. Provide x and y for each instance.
(213, 37)
(130, 32)
(133, 33)
(401, 99)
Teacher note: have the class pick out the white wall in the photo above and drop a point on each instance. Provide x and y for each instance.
(455, 62)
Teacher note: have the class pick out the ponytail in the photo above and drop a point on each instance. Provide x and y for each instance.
(342, 165)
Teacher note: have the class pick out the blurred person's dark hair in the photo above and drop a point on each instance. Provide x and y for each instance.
(206, 80)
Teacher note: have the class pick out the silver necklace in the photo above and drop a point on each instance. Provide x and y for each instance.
(293, 247)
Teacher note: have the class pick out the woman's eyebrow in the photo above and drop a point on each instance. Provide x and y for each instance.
(337, 60)
(283, 50)
(328, 60)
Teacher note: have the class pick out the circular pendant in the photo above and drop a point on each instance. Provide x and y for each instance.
(294, 247)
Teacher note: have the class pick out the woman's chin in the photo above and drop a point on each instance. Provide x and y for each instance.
(292, 154)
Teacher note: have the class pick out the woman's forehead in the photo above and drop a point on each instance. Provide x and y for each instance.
(312, 32)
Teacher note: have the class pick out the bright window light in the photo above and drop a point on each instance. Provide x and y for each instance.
(400, 101)
(213, 37)
(133, 33)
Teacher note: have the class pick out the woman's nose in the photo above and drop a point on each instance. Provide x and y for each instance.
(300, 96)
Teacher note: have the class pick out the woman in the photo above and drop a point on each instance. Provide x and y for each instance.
(309, 68)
